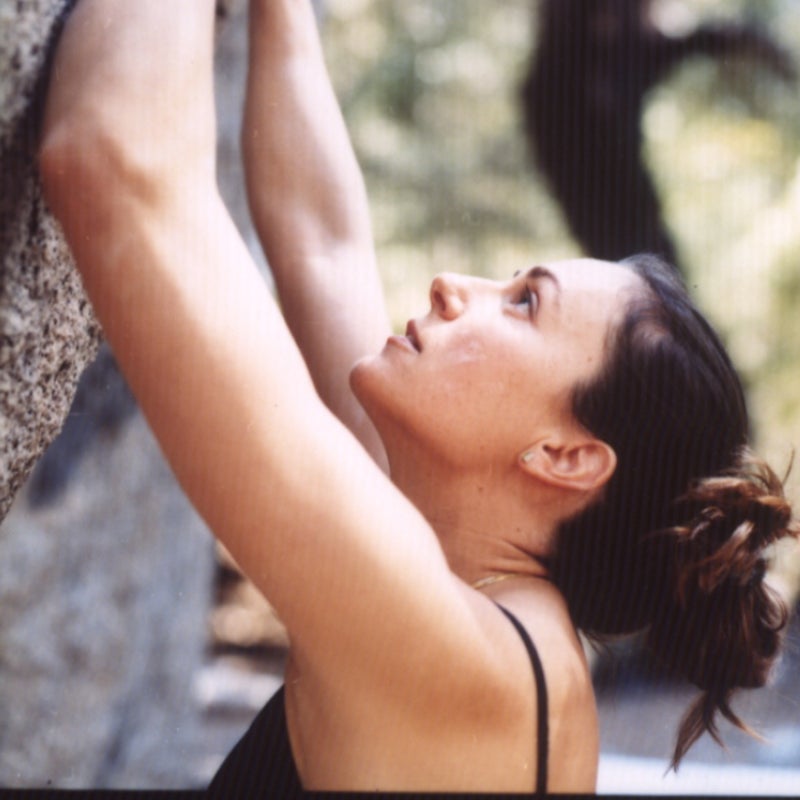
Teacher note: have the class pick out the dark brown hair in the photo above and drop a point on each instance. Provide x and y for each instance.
(676, 545)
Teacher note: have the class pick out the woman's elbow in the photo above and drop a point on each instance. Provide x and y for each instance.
(91, 159)
(80, 160)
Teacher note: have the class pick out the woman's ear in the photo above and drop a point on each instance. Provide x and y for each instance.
(584, 465)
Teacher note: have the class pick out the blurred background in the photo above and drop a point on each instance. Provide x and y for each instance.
(492, 135)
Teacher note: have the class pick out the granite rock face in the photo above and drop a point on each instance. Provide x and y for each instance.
(104, 599)
(106, 579)
(48, 333)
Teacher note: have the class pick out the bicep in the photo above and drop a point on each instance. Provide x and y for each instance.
(351, 566)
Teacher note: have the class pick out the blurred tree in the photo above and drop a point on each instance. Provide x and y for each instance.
(583, 100)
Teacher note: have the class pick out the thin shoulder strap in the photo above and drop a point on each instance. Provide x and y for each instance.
(541, 701)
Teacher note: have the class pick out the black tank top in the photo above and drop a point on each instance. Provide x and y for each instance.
(262, 765)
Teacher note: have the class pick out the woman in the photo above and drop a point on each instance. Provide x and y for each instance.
(541, 433)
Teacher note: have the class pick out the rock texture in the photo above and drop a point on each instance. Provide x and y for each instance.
(106, 579)
(47, 330)
(103, 606)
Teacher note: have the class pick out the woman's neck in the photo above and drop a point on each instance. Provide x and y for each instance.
(487, 521)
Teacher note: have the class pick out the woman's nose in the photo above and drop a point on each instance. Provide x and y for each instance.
(448, 295)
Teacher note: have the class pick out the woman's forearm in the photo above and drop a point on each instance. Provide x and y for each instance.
(304, 184)
(309, 205)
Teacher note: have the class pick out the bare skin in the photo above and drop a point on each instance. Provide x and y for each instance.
(401, 676)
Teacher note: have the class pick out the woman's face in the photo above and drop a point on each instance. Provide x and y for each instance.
(491, 367)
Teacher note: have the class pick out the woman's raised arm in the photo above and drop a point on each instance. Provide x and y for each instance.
(309, 206)
(351, 566)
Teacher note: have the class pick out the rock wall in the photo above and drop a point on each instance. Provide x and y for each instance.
(47, 330)
(103, 606)
(105, 569)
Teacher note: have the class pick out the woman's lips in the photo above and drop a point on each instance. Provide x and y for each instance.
(402, 341)
(413, 336)
(408, 342)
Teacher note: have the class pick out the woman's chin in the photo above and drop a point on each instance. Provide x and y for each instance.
(377, 393)
(365, 384)
(360, 376)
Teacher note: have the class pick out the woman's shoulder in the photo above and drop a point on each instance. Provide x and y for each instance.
(572, 725)
(545, 617)
(462, 726)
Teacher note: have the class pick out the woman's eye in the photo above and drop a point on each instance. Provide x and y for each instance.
(529, 298)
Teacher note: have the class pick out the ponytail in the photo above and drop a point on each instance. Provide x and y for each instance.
(720, 625)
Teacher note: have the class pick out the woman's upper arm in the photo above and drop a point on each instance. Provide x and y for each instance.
(352, 568)
(350, 565)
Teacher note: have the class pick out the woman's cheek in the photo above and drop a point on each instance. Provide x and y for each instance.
(470, 353)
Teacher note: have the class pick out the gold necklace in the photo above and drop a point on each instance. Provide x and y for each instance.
(490, 579)
(481, 583)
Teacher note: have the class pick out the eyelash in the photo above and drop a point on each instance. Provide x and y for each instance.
(530, 298)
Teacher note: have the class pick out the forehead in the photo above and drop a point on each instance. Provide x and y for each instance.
(589, 275)
(592, 299)
(596, 289)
